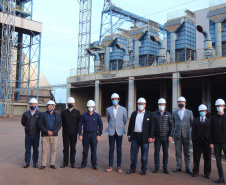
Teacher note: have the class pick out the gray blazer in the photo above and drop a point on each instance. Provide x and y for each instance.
(117, 124)
(182, 127)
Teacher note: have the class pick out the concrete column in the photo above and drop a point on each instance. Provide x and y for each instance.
(107, 59)
(68, 94)
(172, 47)
(163, 90)
(206, 93)
(176, 90)
(97, 96)
(131, 96)
(218, 39)
(137, 44)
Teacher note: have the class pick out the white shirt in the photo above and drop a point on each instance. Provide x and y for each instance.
(32, 113)
(139, 121)
(202, 118)
(69, 109)
(115, 109)
(181, 113)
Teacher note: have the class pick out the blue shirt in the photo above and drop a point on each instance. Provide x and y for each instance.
(50, 118)
(90, 123)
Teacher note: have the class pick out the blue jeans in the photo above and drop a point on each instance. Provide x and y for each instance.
(165, 146)
(112, 140)
(89, 139)
(32, 141)
(136, 143)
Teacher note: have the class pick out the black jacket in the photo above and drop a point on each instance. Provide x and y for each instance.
(163, 124)
(70, 120)
(43, 124)
(218, 129)
(147, 129)
(30, 122)
(200, 132)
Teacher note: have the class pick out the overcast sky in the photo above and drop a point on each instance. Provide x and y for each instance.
(60, 29)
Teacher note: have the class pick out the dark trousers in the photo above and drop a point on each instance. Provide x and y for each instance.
(136, 143)
(186, 143)
(31, 141)
(69, 140)
(112, 140)
(217, 152)
(165, 146)
(198, 149)
(89, 139)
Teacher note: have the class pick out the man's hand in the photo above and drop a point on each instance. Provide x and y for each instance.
(98, 138)
(211, 146)
(50, 133)
(129, 139)
(80, 138)
(170, 139)
(150, 140)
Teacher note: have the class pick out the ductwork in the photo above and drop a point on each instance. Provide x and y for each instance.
(207, 42)
(162, 50)
(125, 56)
(97, 67)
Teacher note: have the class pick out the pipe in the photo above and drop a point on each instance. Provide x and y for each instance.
(97, 60)
(136, 53)
(218, 39)
(172, 47)
(125, 56)
(107, 58)
(162, 50)
(207, 42)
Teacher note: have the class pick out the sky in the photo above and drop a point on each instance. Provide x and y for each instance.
(60, 30)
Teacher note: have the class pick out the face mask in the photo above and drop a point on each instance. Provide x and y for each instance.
(202, 114)
(70, 106)
(51, 110)
(32, 107)
(115, 102)
(161, 107)
(181, 105)
(140, 107)
(90, 109)
(220, 109)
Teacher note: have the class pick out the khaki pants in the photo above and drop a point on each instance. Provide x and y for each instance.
(45, 142)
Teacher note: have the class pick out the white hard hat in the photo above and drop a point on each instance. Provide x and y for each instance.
(33, 100)
(202, 107)
(70, 100)
(90, 103)
(114, 95)
(181, 99)
(162, 100)
(141, 100)
(220, 102)
(51, 102)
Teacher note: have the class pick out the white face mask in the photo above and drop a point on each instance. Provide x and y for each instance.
(90, 109)
(140, 107)
(220, 109)
(161, 107)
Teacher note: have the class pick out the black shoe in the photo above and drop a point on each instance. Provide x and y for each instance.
(73, 165)
(53, 167)
(64, 165)
(177, 170)
(95, 167)
(155, 170)
(220, 180)
(81, 166)
(26, 165)
(165, 171)
(189, 171)
(194, 174)
(143, 173)
(42, 167)
(35, 165)
(207, 176)
(131, 171)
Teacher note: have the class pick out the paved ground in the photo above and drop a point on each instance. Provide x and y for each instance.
(12, 159)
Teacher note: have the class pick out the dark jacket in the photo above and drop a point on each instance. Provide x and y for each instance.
(163, 124)
(70, 120)
(218, 129)
(30, 122)
(200, 132)
(147, 129)
(43, 124)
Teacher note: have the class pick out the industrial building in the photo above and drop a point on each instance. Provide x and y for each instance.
(183, 57)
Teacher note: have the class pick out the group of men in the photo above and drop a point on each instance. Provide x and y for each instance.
(145, 127)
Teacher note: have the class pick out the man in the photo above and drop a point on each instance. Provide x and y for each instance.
(217, 138)
(92, 131)
(49, 124)
(30, 121)
(70, 118)
(200, 140)
(140, 133)
(117, 118)
(183, 119)
(163, 122)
